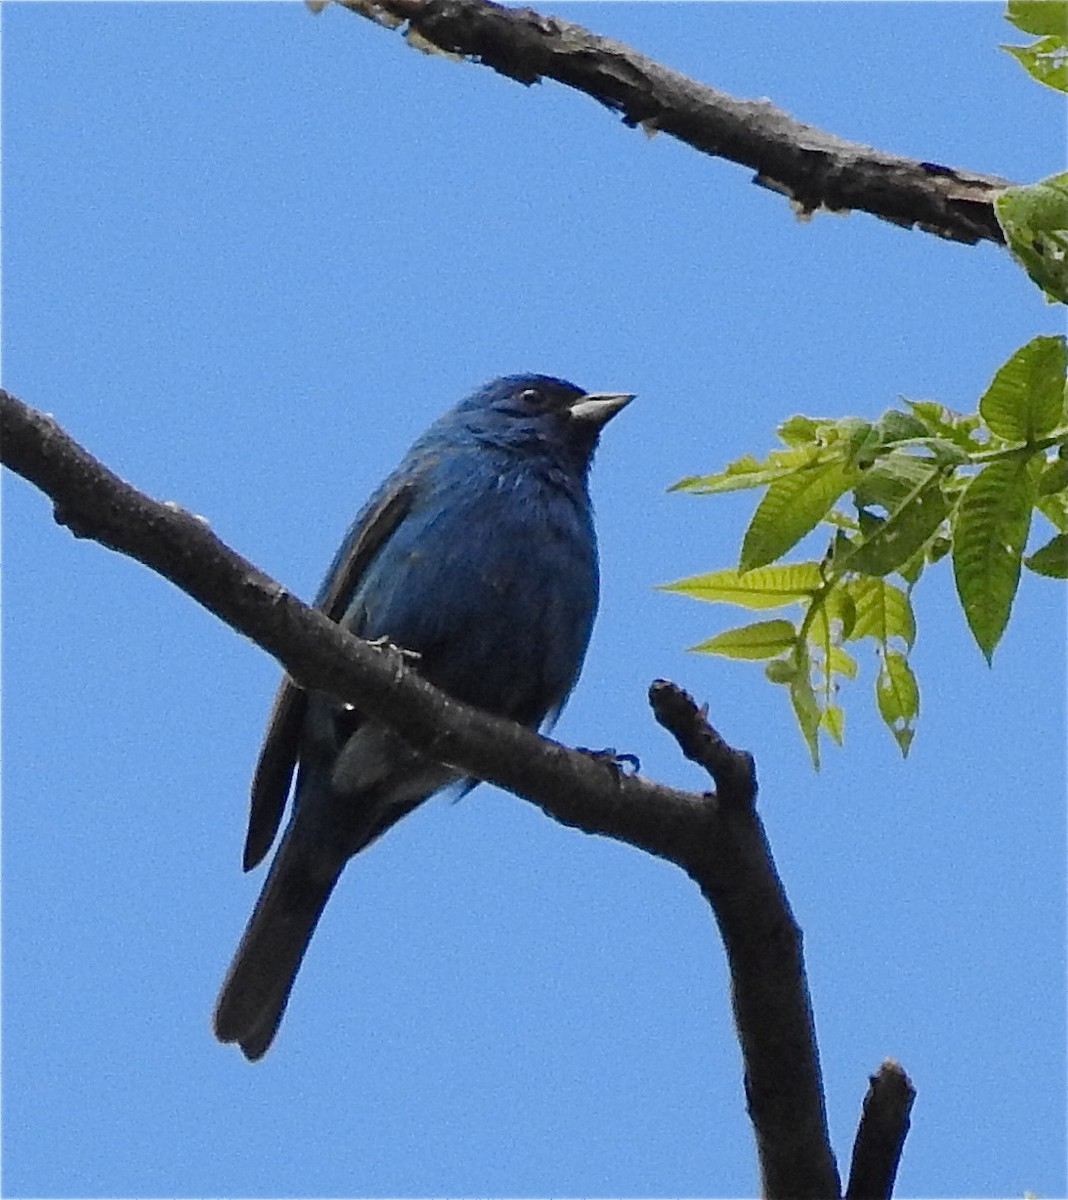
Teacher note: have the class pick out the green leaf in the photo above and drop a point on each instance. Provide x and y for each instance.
(768, 587)
(833, 720)
(864, 441)
(854, 430)
(748, 472)
(807, 711)
(947, 453)
(799, 430)
(915, 519)
(884, 611)
(1055, 509)
(831, 623)
(898, 697)
(840, 521)
(990, 531)
(1051, 559)
(791, 507)
(891, 479)
(1045, 60)
(1025, 399)
(782, 670)
(1054, 477)
(912, 568)
(822, 640)
(842, 663)
(896, 425)
(763, 639)
(1035, 222)
(950, 426)
(841, 611)
(1039, 16)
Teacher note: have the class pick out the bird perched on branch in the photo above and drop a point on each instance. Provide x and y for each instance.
(478, 554)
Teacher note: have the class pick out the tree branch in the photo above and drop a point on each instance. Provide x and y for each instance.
(813, 169)
(737, 876)
(717, 839)
(884, 1124)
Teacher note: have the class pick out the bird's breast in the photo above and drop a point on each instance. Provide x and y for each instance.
(494, 584)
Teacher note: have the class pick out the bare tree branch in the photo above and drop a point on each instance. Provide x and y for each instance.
(737, 876)
(717, 839)
(813, 169)
(884, 1123)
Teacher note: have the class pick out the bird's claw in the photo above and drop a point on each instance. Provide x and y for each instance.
(622, 764)
(383, 643)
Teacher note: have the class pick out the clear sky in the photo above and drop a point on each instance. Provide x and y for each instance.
(249, 254)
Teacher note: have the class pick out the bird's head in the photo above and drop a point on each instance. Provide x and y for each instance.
(519, 408)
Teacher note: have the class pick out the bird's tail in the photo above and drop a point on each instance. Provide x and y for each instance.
(257, 986)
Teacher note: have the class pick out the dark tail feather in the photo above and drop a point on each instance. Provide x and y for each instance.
(257, 986)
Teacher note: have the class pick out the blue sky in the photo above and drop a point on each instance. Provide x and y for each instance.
(249, 254)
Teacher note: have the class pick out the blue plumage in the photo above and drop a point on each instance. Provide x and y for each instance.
(478, 553)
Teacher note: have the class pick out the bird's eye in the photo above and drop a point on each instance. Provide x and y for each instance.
(531, 396)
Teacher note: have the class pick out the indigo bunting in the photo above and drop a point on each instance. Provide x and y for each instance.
(478, 555)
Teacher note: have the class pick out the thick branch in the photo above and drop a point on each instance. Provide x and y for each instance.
(884, 1122)
(737, 875)
(812, 168)
(717, 839)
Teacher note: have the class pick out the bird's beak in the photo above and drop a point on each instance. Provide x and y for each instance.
(597, 408)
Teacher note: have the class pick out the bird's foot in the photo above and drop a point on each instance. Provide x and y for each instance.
(622, 764)
(383, 643)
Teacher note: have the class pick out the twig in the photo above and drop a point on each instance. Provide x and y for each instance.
(884, 1123)
(733, 771)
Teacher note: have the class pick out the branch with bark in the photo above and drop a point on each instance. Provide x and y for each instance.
(814, 169)
(884, 1124)
(716, 838)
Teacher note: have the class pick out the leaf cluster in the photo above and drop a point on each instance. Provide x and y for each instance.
(924, 482)
(896, 495)
(1047, 59)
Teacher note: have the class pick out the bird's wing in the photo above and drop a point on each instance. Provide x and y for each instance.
(281, 743)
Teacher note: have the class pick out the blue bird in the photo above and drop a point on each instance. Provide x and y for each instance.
(478, 554)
